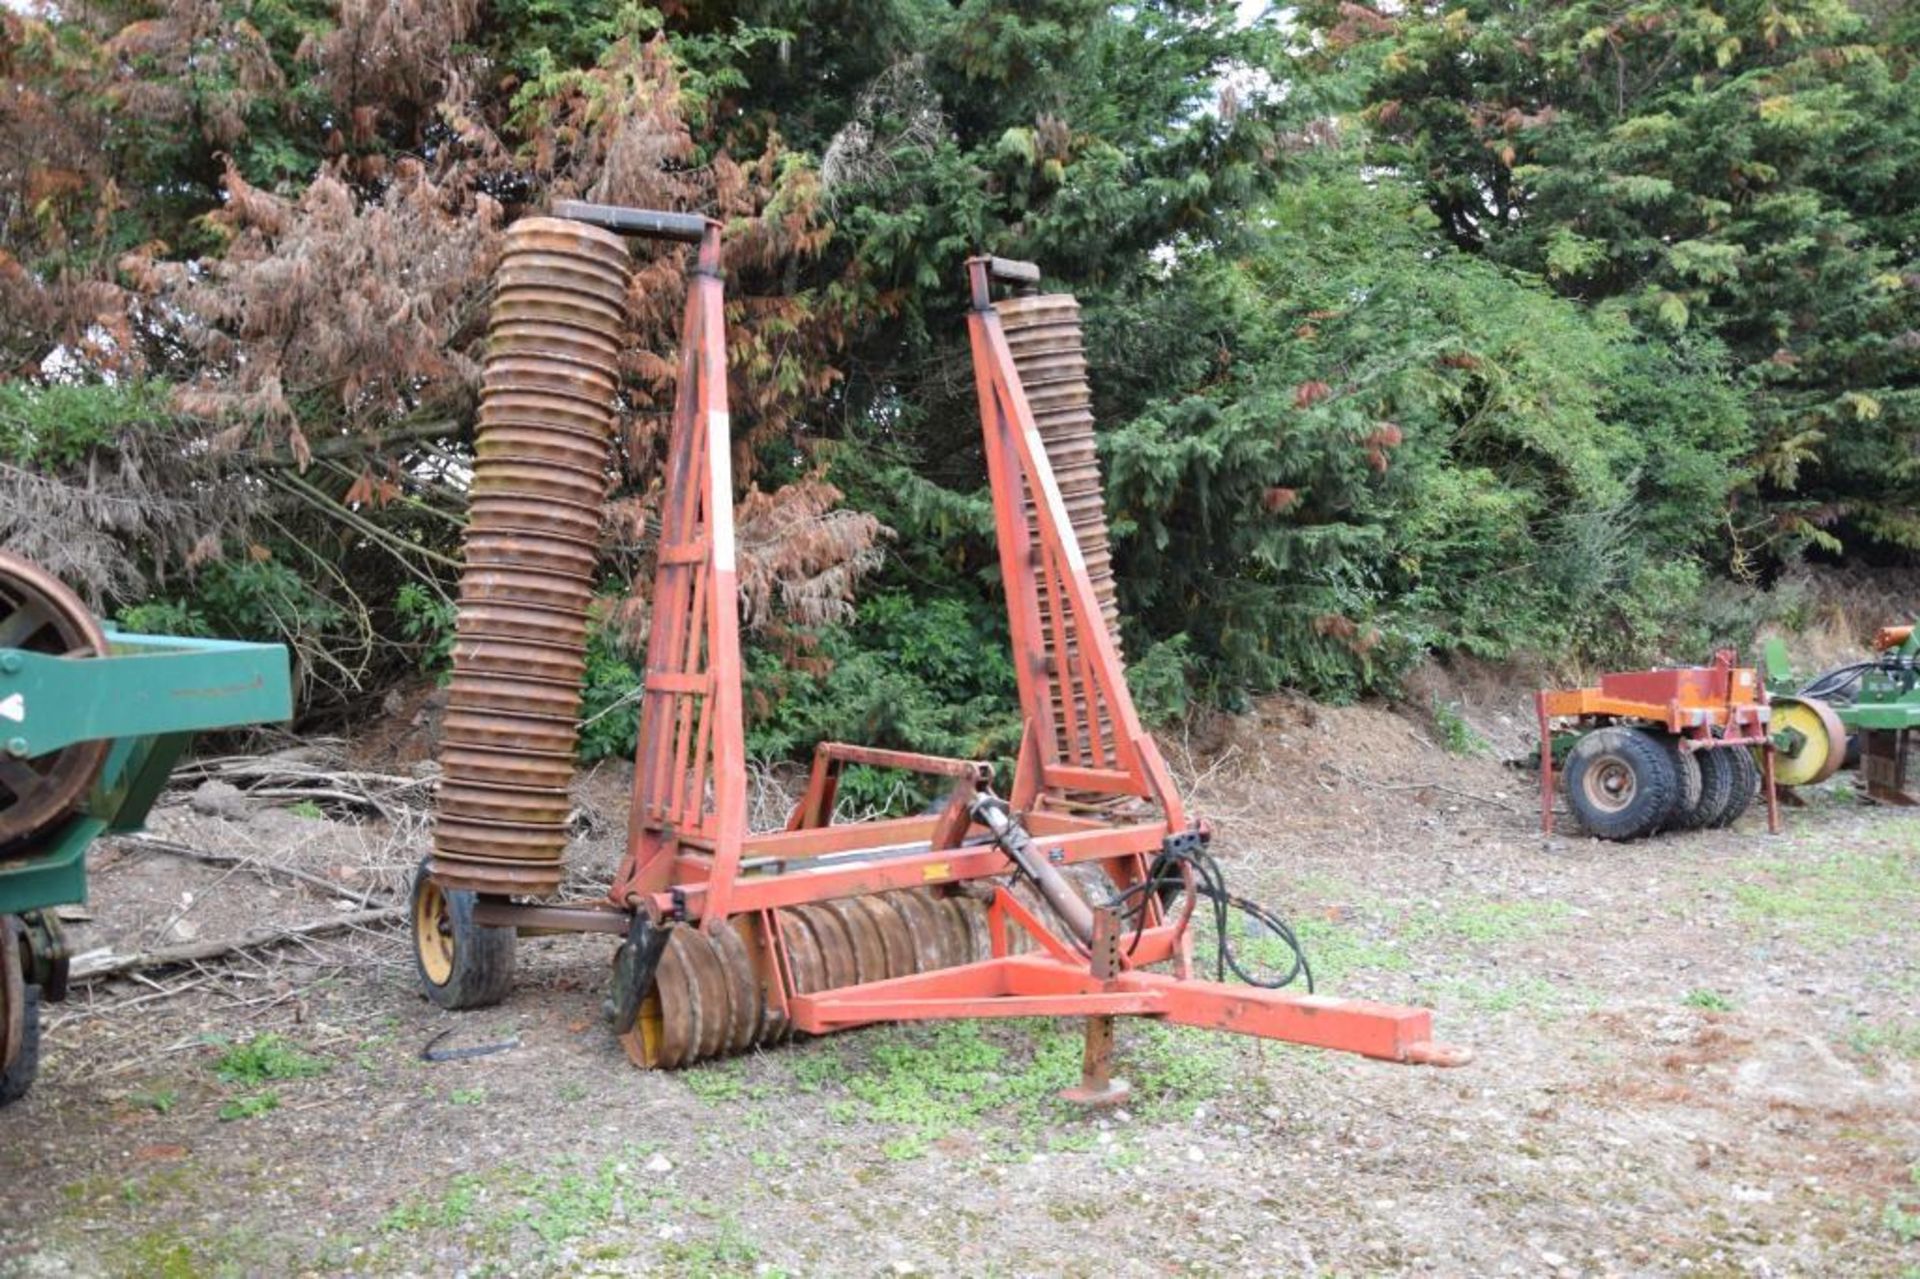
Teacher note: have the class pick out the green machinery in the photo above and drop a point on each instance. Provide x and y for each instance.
(91, 723)
(1863, 713)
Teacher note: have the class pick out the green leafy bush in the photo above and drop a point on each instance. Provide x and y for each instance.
(427, 620)
(55, 425)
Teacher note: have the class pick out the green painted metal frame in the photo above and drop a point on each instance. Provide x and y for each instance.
(150, 694)
(1882, 703)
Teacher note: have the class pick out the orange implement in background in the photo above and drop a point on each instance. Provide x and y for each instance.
(1662, 749)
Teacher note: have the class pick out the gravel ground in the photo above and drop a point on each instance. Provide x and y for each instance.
(1695, 1055)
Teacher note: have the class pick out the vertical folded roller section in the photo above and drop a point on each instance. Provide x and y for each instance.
(543, 450)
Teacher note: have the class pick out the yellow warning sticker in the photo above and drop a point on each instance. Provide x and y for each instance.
(936, 870)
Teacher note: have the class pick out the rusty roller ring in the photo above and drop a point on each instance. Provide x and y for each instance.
(517, 657)
(537, 271)
(804, 954)
(744, 999)
(501, 730)
(39, 615)
(582, 462)
(482, 584)
(575, 556)
(869, 952)
(836, 945)
(542, 374)
(557, 306)
(505, 768)
(540, 807)
(710, 979)
(524, 622)
(552, 698)
(536, 511)
(508, 882)
(546, 408)
(509, 477)
(771, 1025)
(567, 235)
(663, 1035)
(896, 946)
(928, 931)
(556, 342)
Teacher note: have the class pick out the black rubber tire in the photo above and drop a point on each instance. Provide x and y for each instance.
(15, 1081)
(1686, 771)
(1639, 759)
(480, 974)
(1719, 773)
(1746, 785)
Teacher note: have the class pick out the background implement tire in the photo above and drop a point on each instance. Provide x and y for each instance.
(1621, 783)
(1746, 785)
(1720, 773)
(460, 964)
(1690, 783)
(1820, 741)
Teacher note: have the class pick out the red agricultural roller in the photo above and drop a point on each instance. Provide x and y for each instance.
(1074, 894)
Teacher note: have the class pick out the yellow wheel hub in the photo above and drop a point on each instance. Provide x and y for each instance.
(1819, 741)
(433, 933)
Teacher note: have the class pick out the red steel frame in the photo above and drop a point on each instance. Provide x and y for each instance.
(1716, 707)
(692, 859)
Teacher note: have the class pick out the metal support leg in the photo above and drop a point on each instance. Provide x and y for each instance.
(1097, 1085)
(1773, 791)
(1546, 763)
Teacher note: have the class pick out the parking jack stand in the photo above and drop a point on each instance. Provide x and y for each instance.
(1097, 1085)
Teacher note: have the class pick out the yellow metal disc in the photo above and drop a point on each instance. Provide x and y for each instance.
(1819, 741)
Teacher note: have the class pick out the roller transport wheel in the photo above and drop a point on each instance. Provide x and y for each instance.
(1746, 786)
(1621, 783)
(39, 615)
(460, 963)
(1686, 770)
(1819, 741)
(1719, 772)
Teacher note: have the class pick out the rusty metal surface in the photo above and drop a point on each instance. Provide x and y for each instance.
(552, 342)
(536, 552)
(1043, 333)
(486, 655)
(536, 272)
(578, 459)
(578, 410)
(492, 584)
(511, 879)
(539, 806)
(566, 235)
(535, 515)
(517, 694)
(526, 307)
(492, 847)
(543, 457)
(509, 477)
(507, 731)
(712, 993)
(565, 627)
(507, 370)
(38, 614)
